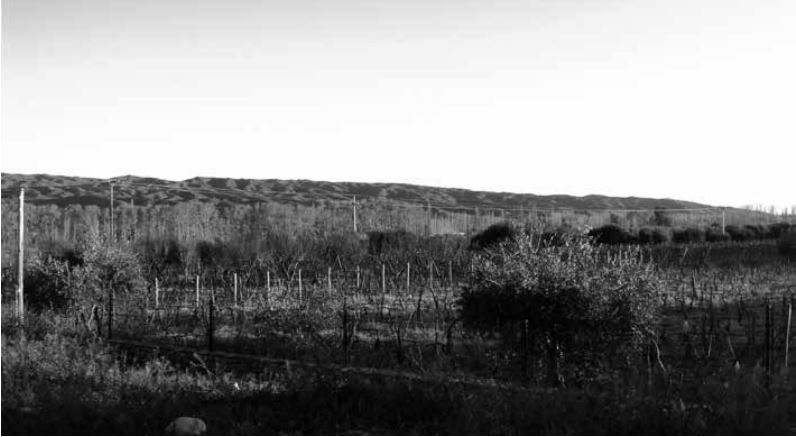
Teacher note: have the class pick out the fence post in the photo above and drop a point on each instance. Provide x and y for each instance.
(450, 274)
(358, 282)
(787, 331)
(768, 343)
(383, 280)
(408, 276)
(268, 287)
(235, 289)
(329, 281)
(157, 294)
(210, 323)
(110, 313)
(197, 291)
(299, 286)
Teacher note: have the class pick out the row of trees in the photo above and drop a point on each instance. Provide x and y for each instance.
(613, 234)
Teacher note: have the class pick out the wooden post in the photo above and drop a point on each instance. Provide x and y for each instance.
(157, 294)
(329, 281)
(299, 288)
(723, 219)
(408, 275)
(110, 313)
(235, 288)
(358, 284)
(787, 331)
(768, 343)
(21, 271)
(210, 324)
(430, 274)
(383, 280)
(197, 291)
(450, 274)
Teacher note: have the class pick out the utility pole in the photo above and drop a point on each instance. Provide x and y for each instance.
(21, 273)
(355, 214)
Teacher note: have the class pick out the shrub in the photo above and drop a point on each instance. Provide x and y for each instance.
(492, 236)
(714, 235)
(575, 302)
(739, 234)
(786, 245)
(688, 235)
(777, 230)
(47, 284)
(757, 232)
(661, 218)
(385, 243)
(610, 234)
(653, 236)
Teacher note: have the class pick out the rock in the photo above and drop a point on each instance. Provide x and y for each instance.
(186, 426)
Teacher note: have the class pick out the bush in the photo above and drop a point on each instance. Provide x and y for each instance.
(786, 245)
(575, 302)
(688, 235)
(714, 235)
(610, 234)
(757, 232)
(390, 243)
(492, 236)
(777, 230)
(653, 236)
(739, 234)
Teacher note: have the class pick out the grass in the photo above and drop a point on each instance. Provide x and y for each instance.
(59, 381)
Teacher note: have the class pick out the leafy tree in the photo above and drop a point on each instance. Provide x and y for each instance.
(578, 304)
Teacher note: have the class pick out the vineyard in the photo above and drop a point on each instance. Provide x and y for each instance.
(389, 310)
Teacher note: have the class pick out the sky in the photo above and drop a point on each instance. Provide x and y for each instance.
(685, 99)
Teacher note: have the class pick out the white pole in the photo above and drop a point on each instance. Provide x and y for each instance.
(299, 284)
(197, 291)
(157, 294)
(112, 234)
(329, 281)
(408, 268)
(21, 273)
(355, 214)
(235, 288)
(383, 280)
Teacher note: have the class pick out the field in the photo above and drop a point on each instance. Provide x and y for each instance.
(379, 347)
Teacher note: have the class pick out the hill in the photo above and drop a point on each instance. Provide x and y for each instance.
(45, 189)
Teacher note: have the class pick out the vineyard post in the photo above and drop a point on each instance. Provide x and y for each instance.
(358, 283)
(197, 291)
(299, 285)
(21, 272)
(768, 343)
(329, 281)
(450, 274)
(157, 294)
(408, 271)
(723, 220)
(267, 286)
(110, 312)
(235, 289)
(210, 323)
(383, 280)
(787, 331)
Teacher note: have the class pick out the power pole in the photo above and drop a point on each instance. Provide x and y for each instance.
(21, 273)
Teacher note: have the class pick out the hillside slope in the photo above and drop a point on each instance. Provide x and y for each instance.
(68, 190)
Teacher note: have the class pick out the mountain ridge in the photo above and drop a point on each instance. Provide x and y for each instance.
(64, 190)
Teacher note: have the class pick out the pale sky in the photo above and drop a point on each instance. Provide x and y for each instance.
(687, 99)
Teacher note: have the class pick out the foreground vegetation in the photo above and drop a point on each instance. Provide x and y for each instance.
(60, 381)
